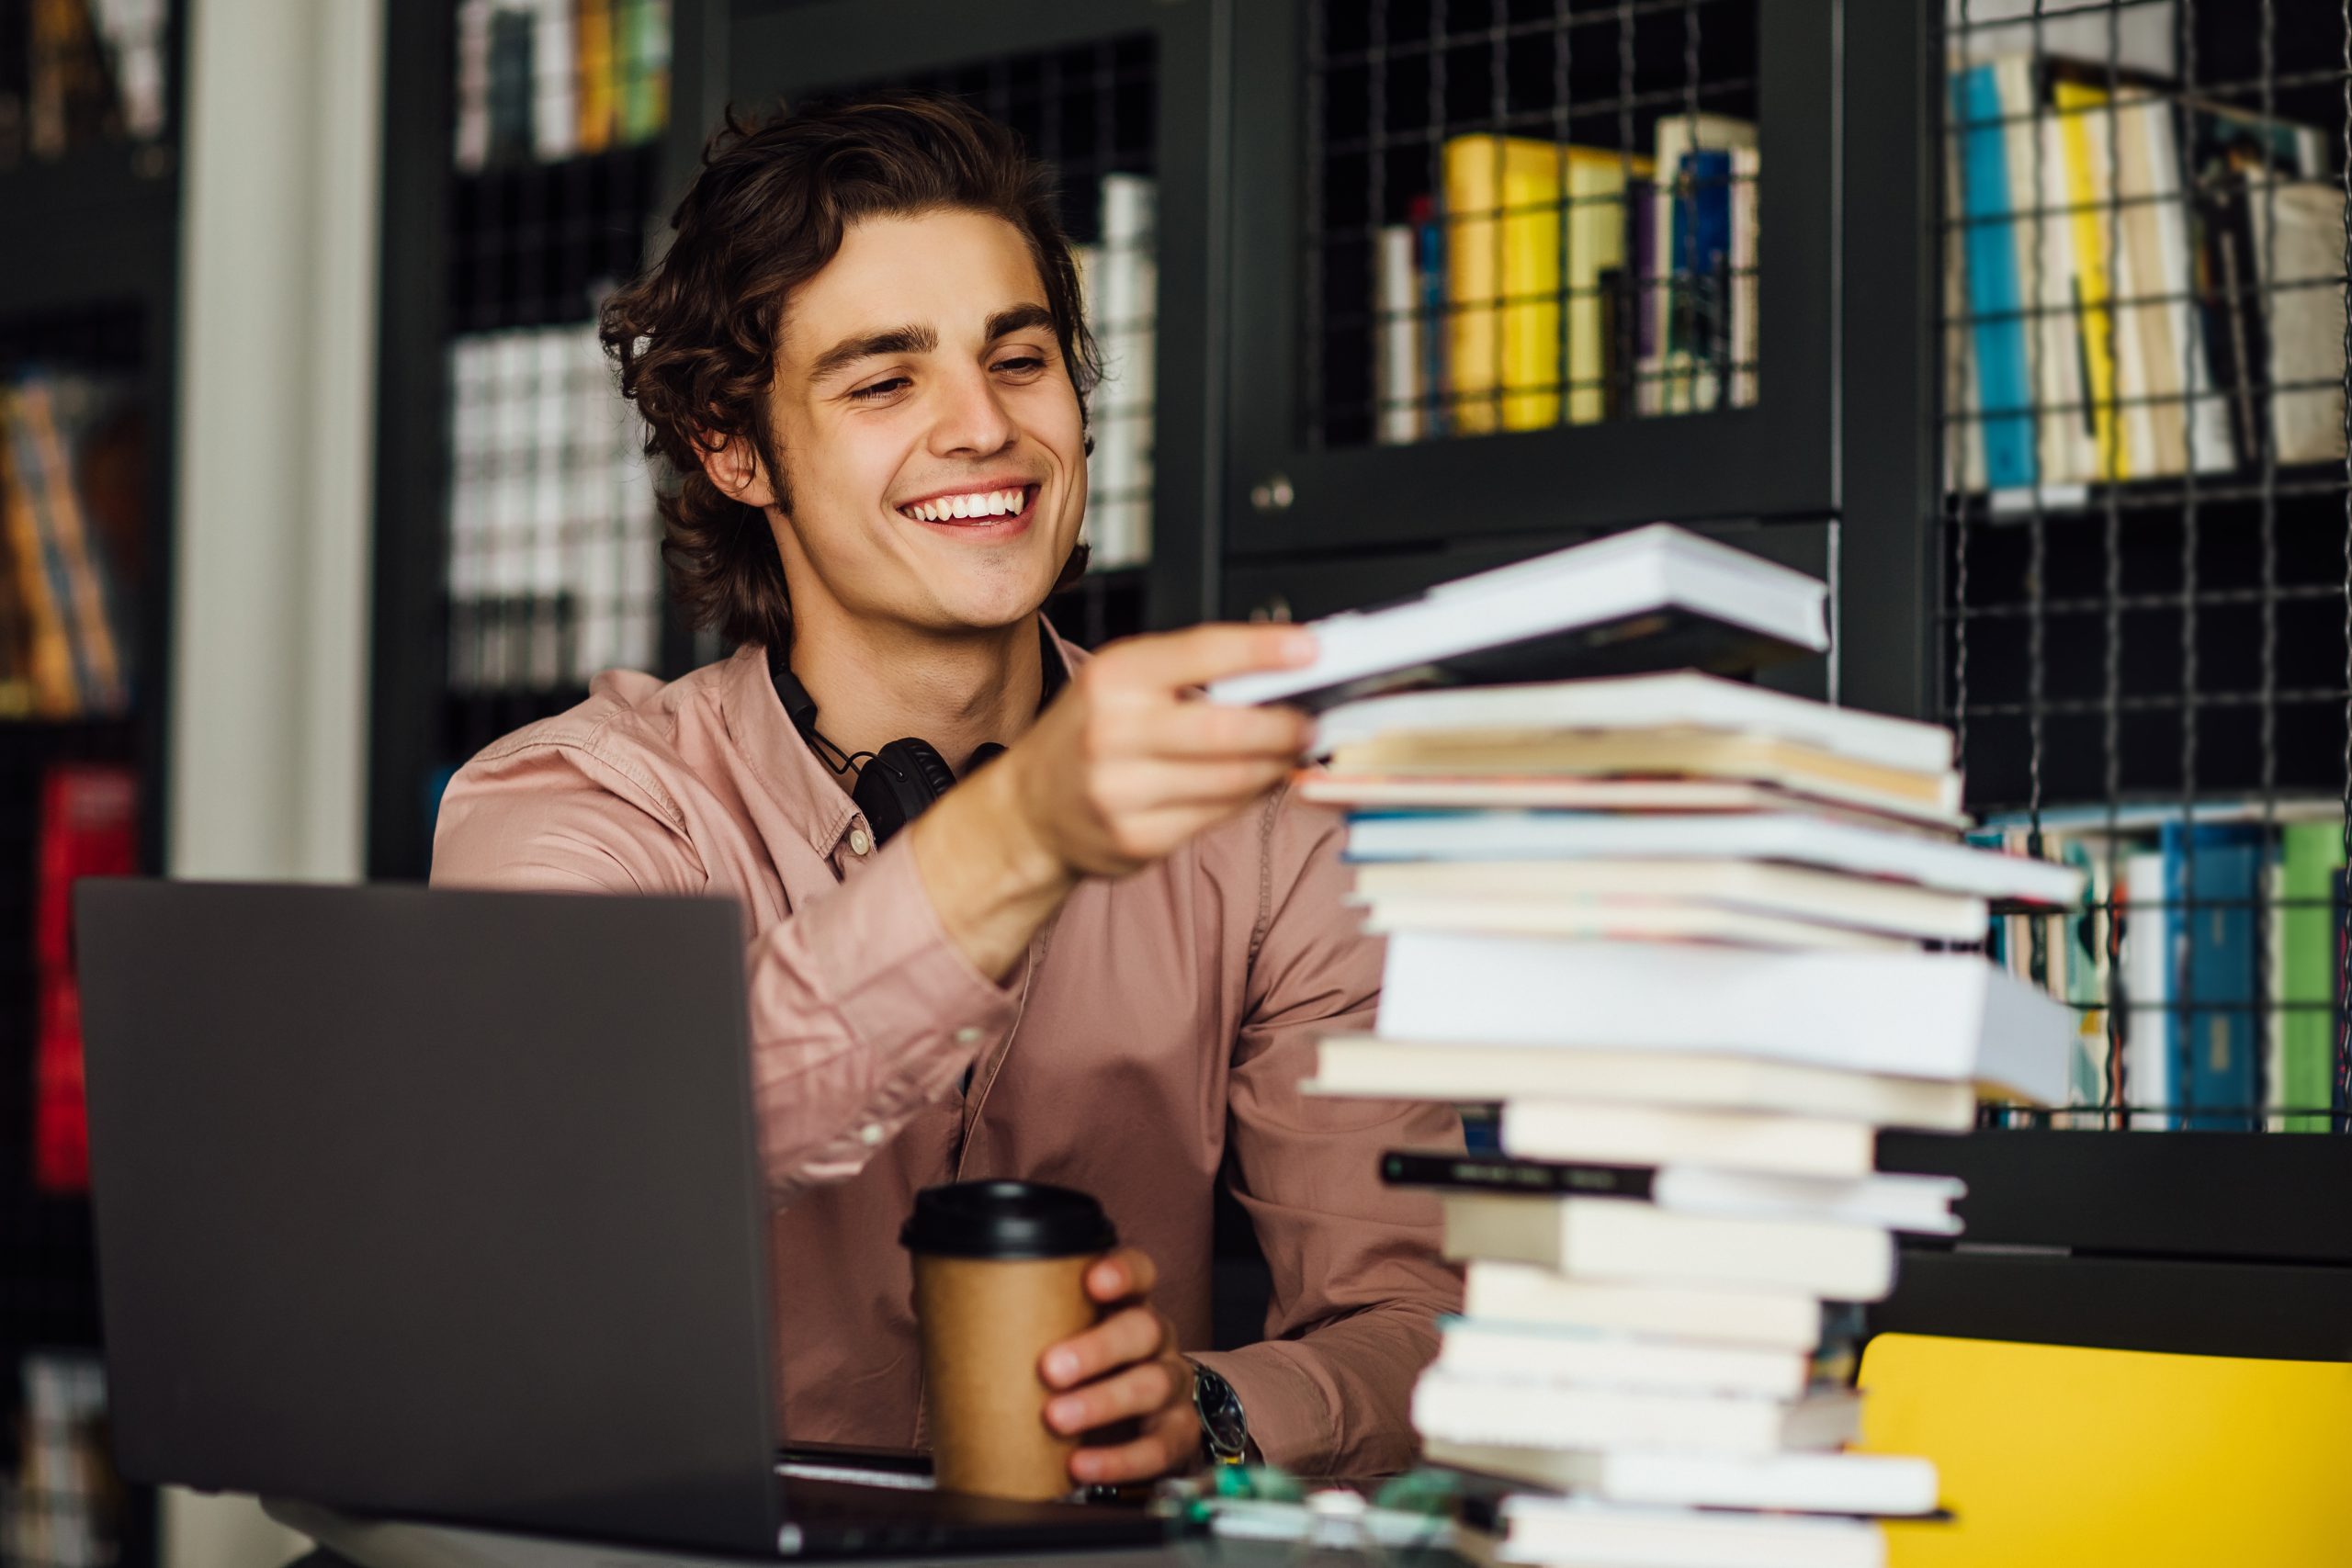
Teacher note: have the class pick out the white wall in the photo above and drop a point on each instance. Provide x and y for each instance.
(276, 409)
(277, 400)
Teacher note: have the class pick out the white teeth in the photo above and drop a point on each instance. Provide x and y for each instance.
(978, 503)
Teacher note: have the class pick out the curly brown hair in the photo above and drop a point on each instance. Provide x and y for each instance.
(696, 336)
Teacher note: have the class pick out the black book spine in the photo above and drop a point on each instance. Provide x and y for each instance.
(1423, 1168)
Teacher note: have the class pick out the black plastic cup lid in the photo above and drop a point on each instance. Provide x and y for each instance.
(1008, 1220)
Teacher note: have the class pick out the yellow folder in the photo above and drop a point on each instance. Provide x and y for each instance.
(2050, 1455)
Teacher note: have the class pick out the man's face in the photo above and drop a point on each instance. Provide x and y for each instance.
(928, 428)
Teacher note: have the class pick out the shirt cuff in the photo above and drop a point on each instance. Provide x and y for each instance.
(1282, 1407)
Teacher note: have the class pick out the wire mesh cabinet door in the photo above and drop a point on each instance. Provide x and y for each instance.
(1577, 261)
(1115, 96)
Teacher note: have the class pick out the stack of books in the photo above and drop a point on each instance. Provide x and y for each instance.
(1690, 936)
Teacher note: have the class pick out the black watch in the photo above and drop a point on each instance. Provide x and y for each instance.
(1224, 1431)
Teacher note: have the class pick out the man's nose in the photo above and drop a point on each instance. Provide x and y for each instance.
(972, 418)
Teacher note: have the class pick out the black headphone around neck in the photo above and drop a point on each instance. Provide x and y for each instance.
(899, 782)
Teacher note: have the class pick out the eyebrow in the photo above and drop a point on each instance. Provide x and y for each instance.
(921, 339)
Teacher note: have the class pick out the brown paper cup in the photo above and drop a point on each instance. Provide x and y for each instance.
(984, 1327)
(1000, 1273)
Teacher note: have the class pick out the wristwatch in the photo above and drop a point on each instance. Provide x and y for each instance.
(1225, 1430)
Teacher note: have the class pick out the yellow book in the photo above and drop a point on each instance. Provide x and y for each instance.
(2088, 223)
(56, 693)
(597, 96)
(2049, 1455)
(1514, 205)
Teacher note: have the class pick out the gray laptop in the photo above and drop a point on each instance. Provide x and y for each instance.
(447, 1205)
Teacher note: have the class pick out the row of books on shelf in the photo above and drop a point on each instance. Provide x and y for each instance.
(543, 80)
(1659, 922)
(77, 72)
(1119, 282)
(1556, 283)
(2138, 284)
(72, 504)
(61, 1506)
(554, 567)
(2211, 946)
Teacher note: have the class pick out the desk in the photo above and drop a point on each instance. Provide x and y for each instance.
(348, 1542)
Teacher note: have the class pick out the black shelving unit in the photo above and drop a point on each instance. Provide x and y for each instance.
(89, 281)
(515, 244)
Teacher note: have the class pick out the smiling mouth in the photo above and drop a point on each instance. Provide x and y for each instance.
(974, 509)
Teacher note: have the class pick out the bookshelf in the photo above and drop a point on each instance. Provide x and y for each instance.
(527, 165)
(89, 284)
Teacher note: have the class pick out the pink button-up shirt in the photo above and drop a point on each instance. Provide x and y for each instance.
(1152, 1043)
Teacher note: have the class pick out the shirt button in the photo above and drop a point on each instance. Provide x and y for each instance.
(870, 1135)
(967, 1036)
(859, 841)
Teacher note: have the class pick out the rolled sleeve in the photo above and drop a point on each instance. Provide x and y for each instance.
(863, 1012)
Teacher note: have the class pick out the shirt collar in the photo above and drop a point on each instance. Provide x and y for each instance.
(781, 759)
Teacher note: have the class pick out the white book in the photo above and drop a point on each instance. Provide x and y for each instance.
(1579, 1531)
(1625, 1239)
(1539, 617)
(1889, 1484)
(1472, 1073)
(1628, 919)
(1501, 1410)
(1746, 163)
(1682, 699)
(2147, 988)
(472, 130)
(555, 81)
(1375, 790)
(515, 471)
(1521, 1293)
(1608, 1134)
(1126, 306)
(1396, 363)
(1794, 892)
(1950, 1016)
(2212, 449)
(1794, 838)
(554, 492)
(641, 570)
(1677, 133)
(593, 557)
(1915, 1205)
(1475, 1348)
(470, 384)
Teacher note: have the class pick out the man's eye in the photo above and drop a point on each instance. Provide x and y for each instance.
(1026, 362)
(880, 389)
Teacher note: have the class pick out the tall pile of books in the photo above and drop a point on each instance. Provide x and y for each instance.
(1691, 936)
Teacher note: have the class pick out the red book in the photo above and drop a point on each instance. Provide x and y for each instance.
(88, 828)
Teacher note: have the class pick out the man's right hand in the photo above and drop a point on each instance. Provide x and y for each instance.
(1122, 768)
(1130, 761)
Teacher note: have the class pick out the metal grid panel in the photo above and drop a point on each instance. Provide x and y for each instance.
(60, 1506)
(1090, 112)
(1524, 213)
(2145, 621)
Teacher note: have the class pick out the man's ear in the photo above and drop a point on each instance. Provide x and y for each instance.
(733, 464)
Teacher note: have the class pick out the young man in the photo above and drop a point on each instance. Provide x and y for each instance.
(1101, 960)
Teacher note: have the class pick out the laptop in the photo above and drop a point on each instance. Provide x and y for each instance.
(447, 1206)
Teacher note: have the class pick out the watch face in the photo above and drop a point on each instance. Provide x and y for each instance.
(1220, 1410)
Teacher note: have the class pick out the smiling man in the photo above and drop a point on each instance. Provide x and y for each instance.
(1100, 960)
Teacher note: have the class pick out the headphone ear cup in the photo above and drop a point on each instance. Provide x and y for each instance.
(899, 783)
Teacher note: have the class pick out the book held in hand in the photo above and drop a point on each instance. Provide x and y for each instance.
(1656, 597)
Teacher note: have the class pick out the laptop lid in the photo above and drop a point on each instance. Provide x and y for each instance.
(444, 1205)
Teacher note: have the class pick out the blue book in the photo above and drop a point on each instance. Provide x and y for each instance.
(2215, 1043)
(1993, 287)
(1436, 327)
(1700, 324)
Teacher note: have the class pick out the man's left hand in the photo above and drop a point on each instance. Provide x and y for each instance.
(1125, 1369)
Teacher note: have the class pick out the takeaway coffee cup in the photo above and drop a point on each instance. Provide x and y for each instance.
(999, 1276)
